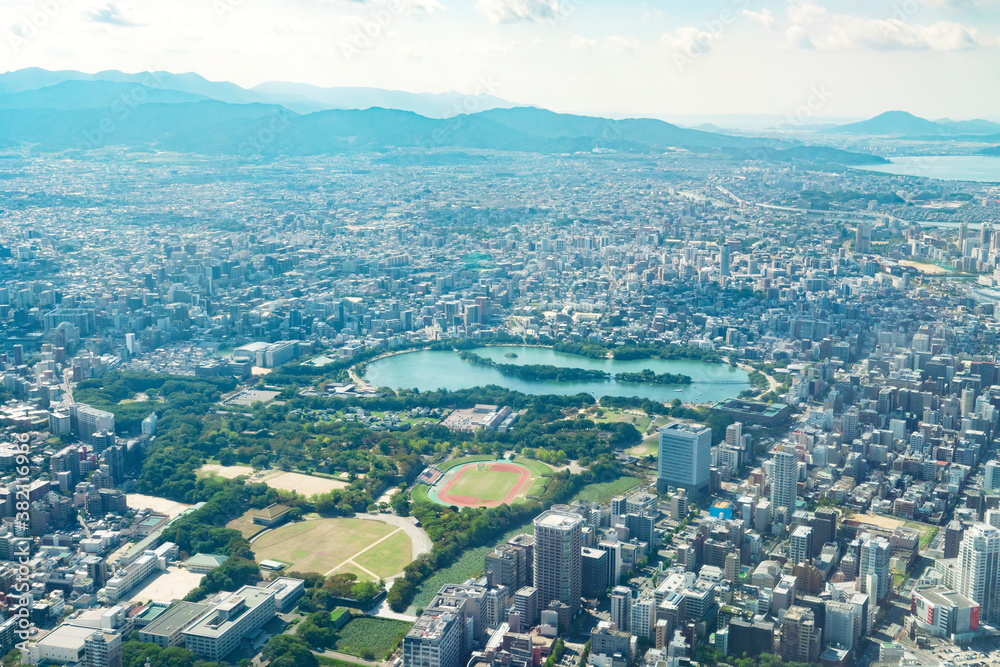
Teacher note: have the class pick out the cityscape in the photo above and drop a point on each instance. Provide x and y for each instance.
(360, 376)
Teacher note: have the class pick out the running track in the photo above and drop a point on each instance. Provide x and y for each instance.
(524, 480)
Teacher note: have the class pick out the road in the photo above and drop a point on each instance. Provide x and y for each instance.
(348, 658)
(421, 543)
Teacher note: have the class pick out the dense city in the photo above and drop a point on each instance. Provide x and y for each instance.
(244, 423)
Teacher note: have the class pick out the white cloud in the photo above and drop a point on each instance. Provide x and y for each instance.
(515, 11)
(578, 43)
(813, 26)
(764, 17)
(689, 41)
(111, 14)
(408, 7)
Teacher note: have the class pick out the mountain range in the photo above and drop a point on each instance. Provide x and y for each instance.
(904, 124)
(187, 113)
(303, 98)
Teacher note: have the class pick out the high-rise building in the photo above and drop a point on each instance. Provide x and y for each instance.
(850, 423)
(685, 457)
(526, 605)
(732, 571)
(103, 649)
(595, 572)
(991, 477)
(978, 572)
(874, 566)
(800, 546)
(838, 629)
(435, 640)
(784, 486)
(621, 607)
(863, 238)
(558, 559)
(800, 638)
(87, 421)
(643, 619)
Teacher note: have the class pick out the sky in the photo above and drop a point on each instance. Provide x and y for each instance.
(805, 59)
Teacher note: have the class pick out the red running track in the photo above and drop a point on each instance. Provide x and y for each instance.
(469, 501)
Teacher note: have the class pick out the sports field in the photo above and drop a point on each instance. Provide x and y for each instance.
(485, 484)
(370, 549)
(473, 483)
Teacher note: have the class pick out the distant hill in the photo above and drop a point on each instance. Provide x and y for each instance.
(187, 113)
(212, 127)
(991, 150)
(301, 98)
(904, 124)
(94, 95)
(305, 98)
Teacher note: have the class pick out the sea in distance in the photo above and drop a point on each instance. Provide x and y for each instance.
(981, 168)
(428, 370)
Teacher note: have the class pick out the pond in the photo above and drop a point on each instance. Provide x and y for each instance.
(428, 370)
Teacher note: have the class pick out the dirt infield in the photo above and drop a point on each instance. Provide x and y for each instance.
(520, 486)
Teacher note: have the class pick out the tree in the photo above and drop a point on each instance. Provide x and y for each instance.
(288, 651)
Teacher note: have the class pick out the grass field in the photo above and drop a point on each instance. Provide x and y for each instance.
(371, 638)
(324, 544)
(927, 532)
(484, 484)
(389, 556)
(420, 494)
(448, 465)
(536, 467)
(602, 493)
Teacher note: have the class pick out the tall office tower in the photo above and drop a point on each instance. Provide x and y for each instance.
(873, 571)
(732, 567)
(526, 606)
(968, 402)
(863, 238)
(838, 630)
(619, 508)
(978, 576)
(724, 260)
(850, 425)
(435, 640)
(558, 558)
(800, 638)
(800, 548)
(685, 457)
(734, 435)
(784, 486)
(103, 649)
(643, 617)
(621, 607)
(953, 538)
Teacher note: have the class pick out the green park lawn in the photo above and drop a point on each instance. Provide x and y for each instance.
(484, 484)
(319, 545)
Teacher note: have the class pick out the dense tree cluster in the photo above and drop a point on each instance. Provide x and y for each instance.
(136, 653)
(288, 651)
(649, 377)
(538, 371)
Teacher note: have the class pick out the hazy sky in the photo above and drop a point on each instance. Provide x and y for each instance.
(660, 57)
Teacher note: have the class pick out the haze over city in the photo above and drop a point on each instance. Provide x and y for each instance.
(934, 58)
(500, 333)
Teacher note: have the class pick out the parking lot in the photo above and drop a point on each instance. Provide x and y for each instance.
(983, 653)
